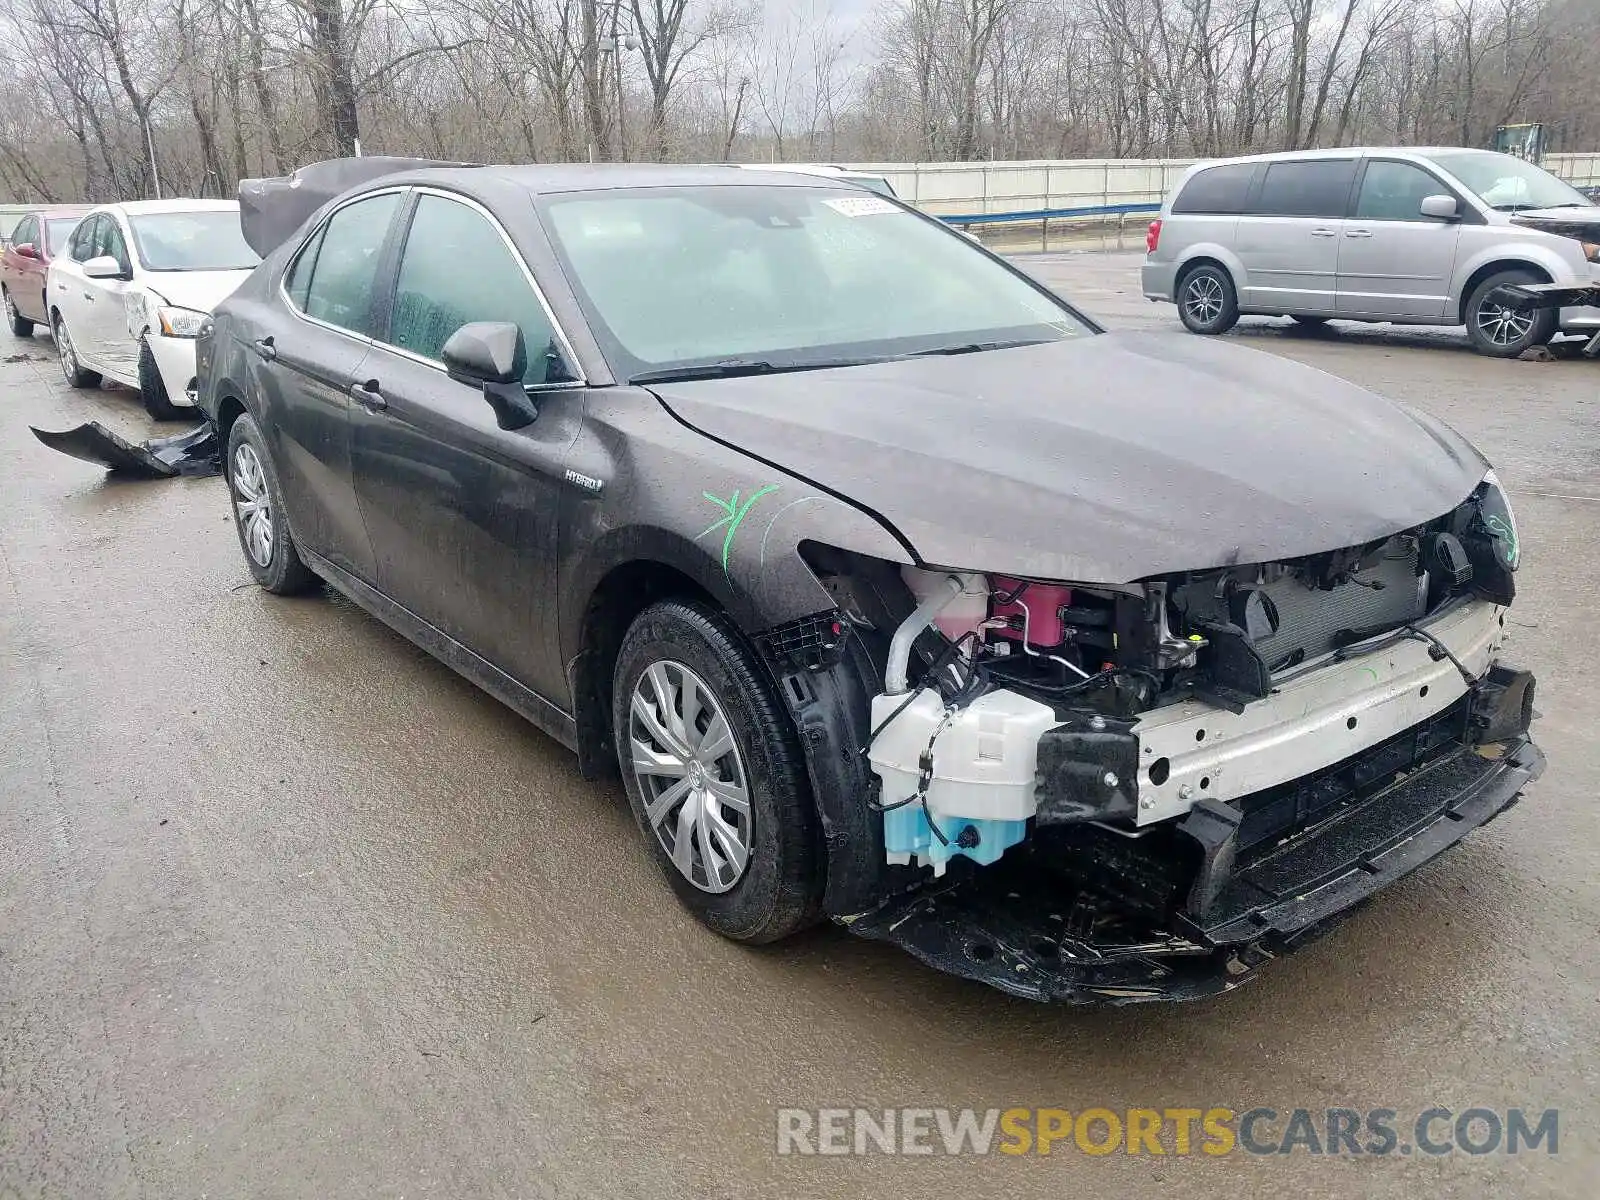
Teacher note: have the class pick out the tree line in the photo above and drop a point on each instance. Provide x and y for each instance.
(105, 99)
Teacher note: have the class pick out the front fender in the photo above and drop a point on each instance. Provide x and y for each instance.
(1537, 251)
(646, 488)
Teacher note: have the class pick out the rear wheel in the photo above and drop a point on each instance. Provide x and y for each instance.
(714, 773)
(1207, 301)
(264, 535)
(76, 375)
(1500, 331)
(153, 389)
(20, 325)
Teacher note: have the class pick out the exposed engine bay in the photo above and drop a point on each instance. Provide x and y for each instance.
(1152, 755)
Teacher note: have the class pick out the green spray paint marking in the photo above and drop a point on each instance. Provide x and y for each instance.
(736, 513)
(1503, 530)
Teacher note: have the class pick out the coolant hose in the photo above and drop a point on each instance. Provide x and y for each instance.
(894, 675)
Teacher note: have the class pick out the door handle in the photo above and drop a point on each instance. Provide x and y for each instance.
(265, 348)
(1358, 233)
(1323, 233)
(89, 296)
(368, 396)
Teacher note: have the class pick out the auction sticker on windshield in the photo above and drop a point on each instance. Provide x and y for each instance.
(862, 206)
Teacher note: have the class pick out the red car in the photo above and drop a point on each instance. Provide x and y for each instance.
(39, 235)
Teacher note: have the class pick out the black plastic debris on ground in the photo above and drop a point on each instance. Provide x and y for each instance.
(193, 453)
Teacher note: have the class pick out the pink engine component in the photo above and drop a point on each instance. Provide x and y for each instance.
(1042, 603)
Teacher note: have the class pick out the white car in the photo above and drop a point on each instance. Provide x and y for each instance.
(135, 283)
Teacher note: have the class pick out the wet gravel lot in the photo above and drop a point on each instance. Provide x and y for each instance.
(289, 910)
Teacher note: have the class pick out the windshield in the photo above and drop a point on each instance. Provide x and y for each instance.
(781, 278)
(192, 241)
(57, 230)
(1509, 184)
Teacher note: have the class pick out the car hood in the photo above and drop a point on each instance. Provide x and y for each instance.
(1100, 459)
(1582, 223)
(199, 290)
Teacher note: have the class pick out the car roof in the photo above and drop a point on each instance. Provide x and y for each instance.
(140, 208)
(555, 178)
(1343, 152)
(825, 170)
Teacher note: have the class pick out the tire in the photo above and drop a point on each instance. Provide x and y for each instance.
(153, 389)
(264, 535)
(20, 325)
(1207, 301)
(1308, 322)
(77, 376)
(674, 646)
(1497, 331)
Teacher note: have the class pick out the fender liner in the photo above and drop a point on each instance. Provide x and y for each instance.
(831, 708)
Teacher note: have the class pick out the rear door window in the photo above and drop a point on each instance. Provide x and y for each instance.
(25, 232)
(1394, 191)
(457, 268)
(345, 266)
(1318, 187)
(1218, 190)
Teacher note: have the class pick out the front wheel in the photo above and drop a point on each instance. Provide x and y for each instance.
(258, 513)
(1500, 331)
(714, 774)
(20, 325)
(1207, 300)
(153, 389)
(75, 374)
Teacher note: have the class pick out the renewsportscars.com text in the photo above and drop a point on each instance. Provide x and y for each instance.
(1211, 1132)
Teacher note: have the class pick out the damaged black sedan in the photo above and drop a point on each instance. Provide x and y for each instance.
(1095, 667)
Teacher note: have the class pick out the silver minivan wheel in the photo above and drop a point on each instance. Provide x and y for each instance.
(1202, 298)
(1207, 301)
(1500, 331)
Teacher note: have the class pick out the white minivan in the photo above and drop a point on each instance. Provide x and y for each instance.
(1412, 236)
(128, 295)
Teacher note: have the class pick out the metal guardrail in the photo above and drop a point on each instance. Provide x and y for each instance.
(1049, 214)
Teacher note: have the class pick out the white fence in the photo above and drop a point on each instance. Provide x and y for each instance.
(968, 189)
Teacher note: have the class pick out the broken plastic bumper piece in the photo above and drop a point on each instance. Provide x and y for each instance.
(193, 453)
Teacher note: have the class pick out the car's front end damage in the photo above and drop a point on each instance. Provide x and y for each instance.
(1093, 792)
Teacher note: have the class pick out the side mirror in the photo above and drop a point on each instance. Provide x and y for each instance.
(1441, 208)
(25, 250)
(492, 355)
(104, 267)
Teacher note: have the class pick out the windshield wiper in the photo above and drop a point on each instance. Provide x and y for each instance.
(732, 368)
(975, 347)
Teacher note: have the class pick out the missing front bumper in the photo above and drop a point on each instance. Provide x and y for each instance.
(1061, 921)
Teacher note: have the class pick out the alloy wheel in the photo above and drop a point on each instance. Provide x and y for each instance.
(1503, 326)
(1203, 299)
(252, 504)
(11, 309)
(690, 776)
(64, 352)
